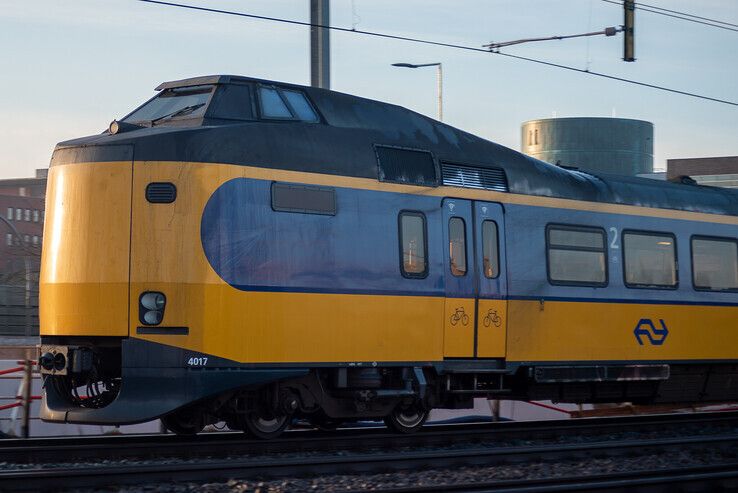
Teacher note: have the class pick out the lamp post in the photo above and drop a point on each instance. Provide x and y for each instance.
(440, 80)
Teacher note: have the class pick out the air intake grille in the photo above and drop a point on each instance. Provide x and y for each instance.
(161, 193)
(459, 175)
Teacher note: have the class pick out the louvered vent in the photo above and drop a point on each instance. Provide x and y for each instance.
(161, 193)
(460, 175)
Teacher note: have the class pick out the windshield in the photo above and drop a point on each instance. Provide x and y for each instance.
(170, 103)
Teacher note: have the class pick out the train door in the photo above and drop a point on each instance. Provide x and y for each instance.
(459, 323)
(489, 228)
(474, 263)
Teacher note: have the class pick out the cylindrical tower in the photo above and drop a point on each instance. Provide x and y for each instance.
(607, 145)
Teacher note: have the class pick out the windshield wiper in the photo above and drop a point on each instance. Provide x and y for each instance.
(179, 112)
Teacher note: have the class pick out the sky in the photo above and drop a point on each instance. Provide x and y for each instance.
(67, 68)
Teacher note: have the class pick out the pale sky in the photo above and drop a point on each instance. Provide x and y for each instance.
(67, 68)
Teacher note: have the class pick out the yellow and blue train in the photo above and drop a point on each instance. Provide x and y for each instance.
(250, 251)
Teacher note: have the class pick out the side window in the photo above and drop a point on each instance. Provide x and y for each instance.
(301, 105)
(413, 243)
(272, 105)
(714, 264)
(577, 256)
(457, 246)
(10, 214)
(650, 260)
(490, 249)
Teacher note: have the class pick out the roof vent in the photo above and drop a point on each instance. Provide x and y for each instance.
(462, 175)
(161, 192)
(406, 166)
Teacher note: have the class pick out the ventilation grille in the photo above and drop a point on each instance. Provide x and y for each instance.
(161, 193)
(406, 166)
(458, 175)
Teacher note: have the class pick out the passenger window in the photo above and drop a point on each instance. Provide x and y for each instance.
(577, 256)
(272, 105)
(715, 264)
(413, 244)
(301, 105)
(457, 246)
(490, 250)
(650, 260)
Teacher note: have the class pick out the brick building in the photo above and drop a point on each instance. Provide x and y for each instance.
(712, 171)
(21, 237)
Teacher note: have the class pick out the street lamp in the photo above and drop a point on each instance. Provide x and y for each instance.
(440, 81)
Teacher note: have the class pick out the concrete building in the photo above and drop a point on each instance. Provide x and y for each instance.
(711, 171)
(21, 237)
(606, 145)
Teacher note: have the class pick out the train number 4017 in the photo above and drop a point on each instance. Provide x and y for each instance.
(195, 361)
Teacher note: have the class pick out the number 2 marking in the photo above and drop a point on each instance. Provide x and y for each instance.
(194, 361)
(614, 243)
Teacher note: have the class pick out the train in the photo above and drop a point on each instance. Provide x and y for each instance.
(254, 252)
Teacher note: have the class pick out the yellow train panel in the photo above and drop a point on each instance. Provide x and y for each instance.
(84, 274)
(492, 329)
(569, 331)
(458, 322)
(258, 326)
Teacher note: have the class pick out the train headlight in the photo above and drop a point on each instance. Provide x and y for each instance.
(151, 307)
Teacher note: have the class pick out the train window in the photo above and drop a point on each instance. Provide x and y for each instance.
(272, 105)
(490, 249)
(649, 260)
(180, 101)
(302, 107)
(457, 246)
(714, 264)
(577, 256)
(407, 166)
(413, 242)
(232, 102)
(287, 197)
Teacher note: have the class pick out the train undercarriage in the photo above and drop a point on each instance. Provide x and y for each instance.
(109, 381)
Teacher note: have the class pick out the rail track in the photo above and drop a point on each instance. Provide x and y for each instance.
(56, 449)
(212, 457)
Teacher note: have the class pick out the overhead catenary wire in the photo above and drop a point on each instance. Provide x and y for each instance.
(439, 43)
(681, 15)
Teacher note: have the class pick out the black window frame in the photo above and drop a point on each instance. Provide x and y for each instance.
(400, 242)
(725, 239)
(676, 259)
(294, 117)
(497, 246)
(466, 253)
(585, 229)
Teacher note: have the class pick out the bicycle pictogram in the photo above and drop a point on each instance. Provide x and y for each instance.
(492, 318)
(460, 316)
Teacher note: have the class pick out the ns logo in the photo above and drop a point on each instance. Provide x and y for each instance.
(646, 328)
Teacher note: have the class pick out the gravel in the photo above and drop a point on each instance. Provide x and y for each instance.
(439, 477)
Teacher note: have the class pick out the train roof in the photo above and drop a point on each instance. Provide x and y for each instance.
(344, 140)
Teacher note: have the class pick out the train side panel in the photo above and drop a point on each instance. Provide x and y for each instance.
(257, 286)
(565, 324)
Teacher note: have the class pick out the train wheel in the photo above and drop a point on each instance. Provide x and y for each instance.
(183, 422)
(266, 428)
(406, 419)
